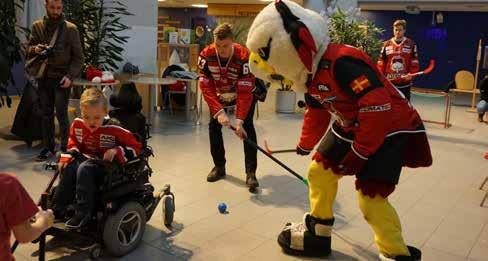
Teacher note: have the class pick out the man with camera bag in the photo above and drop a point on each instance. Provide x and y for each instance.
(56, 43)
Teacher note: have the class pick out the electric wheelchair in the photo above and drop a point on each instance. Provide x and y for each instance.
(126, 201)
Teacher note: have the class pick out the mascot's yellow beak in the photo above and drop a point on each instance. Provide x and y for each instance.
(261, 64)
(264, 69)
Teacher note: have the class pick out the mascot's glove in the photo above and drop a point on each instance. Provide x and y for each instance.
(351, 164)
(302, 152)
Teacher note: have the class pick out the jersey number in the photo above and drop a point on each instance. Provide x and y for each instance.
(245, 69)
(201, 62)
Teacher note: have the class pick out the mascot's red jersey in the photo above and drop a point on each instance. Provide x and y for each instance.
(365, 104)
(226, 82)
(397, 59)
(95, 144)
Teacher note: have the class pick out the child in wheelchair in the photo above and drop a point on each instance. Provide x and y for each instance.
(94, 146)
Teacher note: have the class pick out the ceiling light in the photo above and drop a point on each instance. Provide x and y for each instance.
(161, 0)
(200, 5)
(266, 0)
(412, 9)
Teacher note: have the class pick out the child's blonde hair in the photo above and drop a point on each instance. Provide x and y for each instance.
(93, 96)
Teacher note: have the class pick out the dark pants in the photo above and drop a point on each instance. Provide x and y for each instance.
(79, 180)
(384, 166)
(217, 142)
(405, 91)
(51, 96)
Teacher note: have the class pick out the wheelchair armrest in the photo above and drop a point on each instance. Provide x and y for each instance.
(146, 152)
(129, 163)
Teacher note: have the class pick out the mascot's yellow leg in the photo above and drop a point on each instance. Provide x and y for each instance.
(323, 190)
(385, 223)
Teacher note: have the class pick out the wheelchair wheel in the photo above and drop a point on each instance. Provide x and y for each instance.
(95, 251)
(168, 209)
(123, 230)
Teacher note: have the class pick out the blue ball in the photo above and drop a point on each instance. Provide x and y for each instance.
(222, 208)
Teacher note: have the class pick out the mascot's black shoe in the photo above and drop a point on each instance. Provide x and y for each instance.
(251, 181)
(216, 173)
(310, 238)
(415, 255)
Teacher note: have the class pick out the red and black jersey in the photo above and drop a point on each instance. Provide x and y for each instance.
(226, 82)
(398, 59)
(364, 103)
(95, 144)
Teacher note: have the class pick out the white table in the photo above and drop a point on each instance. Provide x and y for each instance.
(153, 82)
(83, 83)
(193, 86)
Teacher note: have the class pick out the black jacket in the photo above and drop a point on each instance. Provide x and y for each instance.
(484, 89)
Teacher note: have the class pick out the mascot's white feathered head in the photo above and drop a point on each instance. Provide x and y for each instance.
(286, 40)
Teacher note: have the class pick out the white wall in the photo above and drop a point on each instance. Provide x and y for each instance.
(33, 10)
(316, 5)
(141, 47)
(319, 5)
(347, 4)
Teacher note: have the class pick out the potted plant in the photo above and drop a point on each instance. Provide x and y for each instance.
(285, 96)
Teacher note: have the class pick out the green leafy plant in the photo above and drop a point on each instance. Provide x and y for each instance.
(346, 28)
(285, 87)
(10, 44)
(100, 26)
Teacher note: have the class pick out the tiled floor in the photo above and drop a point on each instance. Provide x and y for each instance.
(438, 206)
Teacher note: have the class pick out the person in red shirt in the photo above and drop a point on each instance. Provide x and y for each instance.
(225, 80)
(399, 58)
(16, 212)
(90, 139)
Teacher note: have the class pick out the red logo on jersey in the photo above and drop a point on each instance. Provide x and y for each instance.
(359, 84)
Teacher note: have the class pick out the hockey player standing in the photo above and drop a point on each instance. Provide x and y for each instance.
(399, 58)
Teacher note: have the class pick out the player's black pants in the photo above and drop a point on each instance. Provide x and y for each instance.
(217, 142)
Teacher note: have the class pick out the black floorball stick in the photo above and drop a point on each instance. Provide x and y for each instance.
(300, 104)
(46, 191)
(270, 151)
(252, 143)
(42, 238)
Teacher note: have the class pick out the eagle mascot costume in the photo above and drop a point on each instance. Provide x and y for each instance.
(365, 126)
